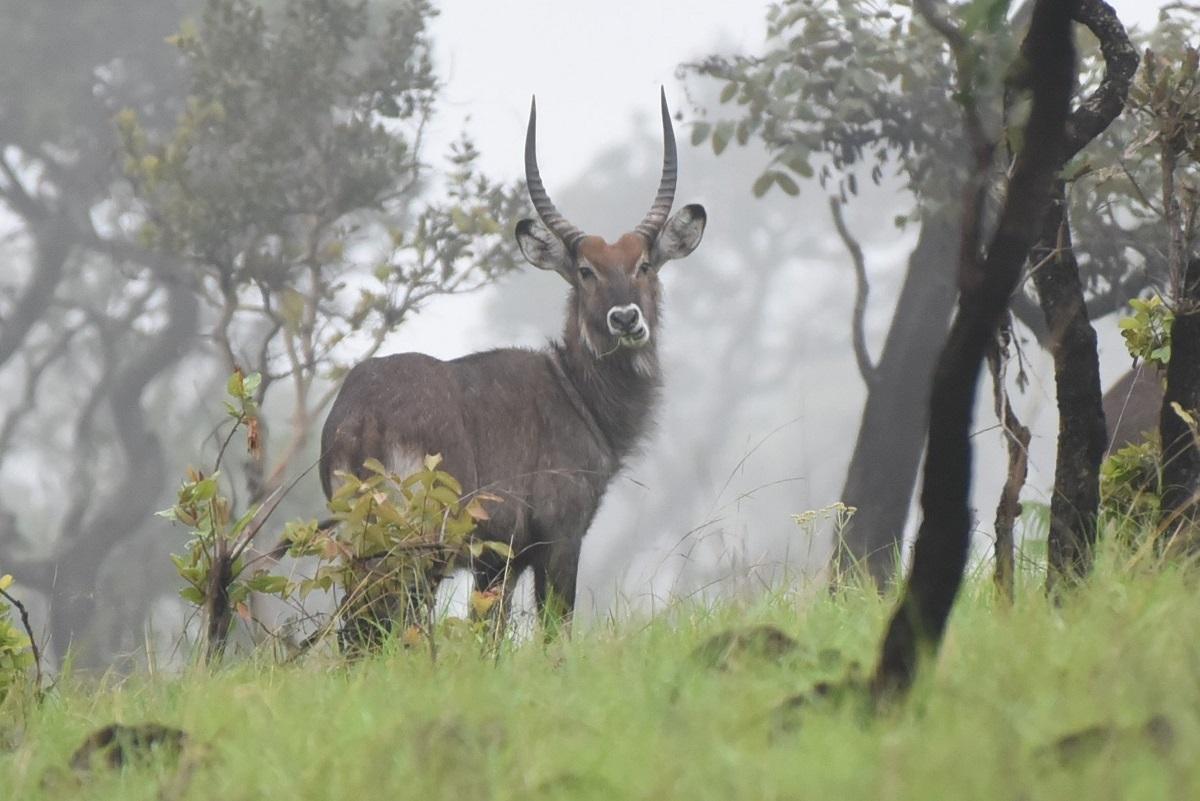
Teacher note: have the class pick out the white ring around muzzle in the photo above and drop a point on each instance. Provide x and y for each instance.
(634, 334)
(638, 323)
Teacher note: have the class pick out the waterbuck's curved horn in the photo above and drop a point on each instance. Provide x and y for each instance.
(562, 228)
(652, 224)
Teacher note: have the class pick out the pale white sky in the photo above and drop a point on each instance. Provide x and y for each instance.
(593, 65)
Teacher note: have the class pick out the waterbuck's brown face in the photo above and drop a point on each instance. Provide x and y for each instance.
(616, 288)
(616, 293)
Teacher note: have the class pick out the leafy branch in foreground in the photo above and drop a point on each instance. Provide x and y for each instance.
(1147, 331)
(213, 564)
(18, 652)
(387, 537)
(392, 535)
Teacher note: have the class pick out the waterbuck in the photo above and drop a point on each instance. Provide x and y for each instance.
(546, 430)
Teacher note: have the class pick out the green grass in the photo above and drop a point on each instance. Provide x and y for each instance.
(629, 712)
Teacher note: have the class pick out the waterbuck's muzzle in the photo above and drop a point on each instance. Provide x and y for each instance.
(629, 325)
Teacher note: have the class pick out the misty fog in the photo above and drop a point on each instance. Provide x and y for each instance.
(114, 380)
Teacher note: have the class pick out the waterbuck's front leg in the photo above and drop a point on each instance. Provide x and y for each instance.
(554, 578)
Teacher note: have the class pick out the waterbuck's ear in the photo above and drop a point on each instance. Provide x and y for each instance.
(680, 235)
(543, 249)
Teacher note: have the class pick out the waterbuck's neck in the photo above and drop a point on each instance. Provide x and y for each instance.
(618, 389)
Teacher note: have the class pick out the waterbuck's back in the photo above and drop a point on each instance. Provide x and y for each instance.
(502, 421)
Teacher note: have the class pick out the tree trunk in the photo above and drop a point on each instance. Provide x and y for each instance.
(81, 551)
(1082, 437)
(944, 539)
(891, 434)
(1180, 454)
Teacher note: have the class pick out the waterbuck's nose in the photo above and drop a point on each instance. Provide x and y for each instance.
(624, 319)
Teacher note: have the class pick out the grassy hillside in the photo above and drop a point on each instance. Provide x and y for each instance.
(1098, 699)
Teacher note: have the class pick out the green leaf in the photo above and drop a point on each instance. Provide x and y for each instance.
(763, 183)
(268, 584)
(700, 132)
(787, 184)
(348, 487)
(389, 514)
(358, 512)
(449, 481)
(500, 548)
(244, 520)
(251, 383)
(192, 595)
(445, 496)
(205, 489)
(721, 136)
(291, 308)
(729, 91)
(800, 165)
(743, 132)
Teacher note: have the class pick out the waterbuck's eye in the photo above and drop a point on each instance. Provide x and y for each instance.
(644, 268)
(586, 272)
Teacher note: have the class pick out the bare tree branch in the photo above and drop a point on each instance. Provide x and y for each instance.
(865, 368)
(35, 370)
(18, 197)
(1016, 437)
(53, 250)
(1104, 104)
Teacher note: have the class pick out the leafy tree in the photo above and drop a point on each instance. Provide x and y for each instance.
(293, 185)
(853, 89)
(88, 325)
(279, 221)
(845, 91)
